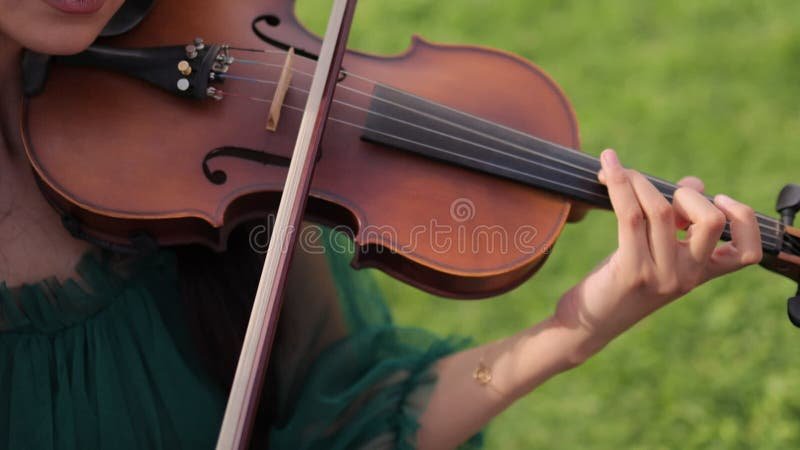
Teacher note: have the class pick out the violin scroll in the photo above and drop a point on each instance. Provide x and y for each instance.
(788, 205)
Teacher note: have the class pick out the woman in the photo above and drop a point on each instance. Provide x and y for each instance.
(110, 357)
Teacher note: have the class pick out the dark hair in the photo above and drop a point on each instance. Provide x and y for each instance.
(217, 290)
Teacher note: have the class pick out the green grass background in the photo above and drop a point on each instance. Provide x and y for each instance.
(710, 88)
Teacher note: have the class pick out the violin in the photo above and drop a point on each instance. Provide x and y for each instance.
(452, 168)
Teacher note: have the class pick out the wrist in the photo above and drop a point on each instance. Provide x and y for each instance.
(578, 343)
(539, 353)
(582, 337)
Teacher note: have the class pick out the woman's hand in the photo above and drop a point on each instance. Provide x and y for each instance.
(652, 266)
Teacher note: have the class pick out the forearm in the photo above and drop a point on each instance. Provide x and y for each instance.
(461, 405)
(650, 268)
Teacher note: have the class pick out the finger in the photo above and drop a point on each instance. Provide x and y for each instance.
(693, 183)
(745, 247)
(660, 220)
(707, 223)
(630, 218)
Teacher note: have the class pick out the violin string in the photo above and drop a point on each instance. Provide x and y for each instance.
(771, 224)
(378, 83)
(767, 229)
(592, 179)
(770, 227)
(764, 226)
(664, 184)
(441, 119)
(565, 186)
(268, 51)
(654, 180)
(590, 172)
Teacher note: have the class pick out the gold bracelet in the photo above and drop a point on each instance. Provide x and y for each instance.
(482, 373)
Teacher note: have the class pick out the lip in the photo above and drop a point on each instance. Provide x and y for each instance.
(77, 6)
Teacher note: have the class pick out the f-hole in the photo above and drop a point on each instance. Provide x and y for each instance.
(260, 28)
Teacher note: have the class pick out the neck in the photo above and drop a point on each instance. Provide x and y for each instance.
(10, 52)
(31, 234)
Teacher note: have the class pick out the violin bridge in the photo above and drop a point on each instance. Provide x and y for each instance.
(280, 92)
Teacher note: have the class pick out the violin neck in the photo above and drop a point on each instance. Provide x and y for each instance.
(409, 122)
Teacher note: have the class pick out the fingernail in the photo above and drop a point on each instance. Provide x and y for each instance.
(610, 157)
(724, 199)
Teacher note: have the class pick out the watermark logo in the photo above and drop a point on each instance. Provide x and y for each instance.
(462, 210)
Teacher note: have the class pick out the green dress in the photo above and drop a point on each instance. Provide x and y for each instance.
(105, 361)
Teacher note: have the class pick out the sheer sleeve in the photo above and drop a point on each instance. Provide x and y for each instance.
(368, 388)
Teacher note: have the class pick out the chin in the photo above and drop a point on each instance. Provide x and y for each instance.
(36, 26)
(55, 43)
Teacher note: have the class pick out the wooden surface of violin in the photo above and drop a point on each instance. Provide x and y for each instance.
(454, 168)
(147, 149)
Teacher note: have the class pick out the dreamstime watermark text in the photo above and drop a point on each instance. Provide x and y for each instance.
(459, 232)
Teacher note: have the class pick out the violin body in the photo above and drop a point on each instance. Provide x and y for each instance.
(123, 158)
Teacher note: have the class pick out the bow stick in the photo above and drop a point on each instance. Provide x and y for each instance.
(248, 381)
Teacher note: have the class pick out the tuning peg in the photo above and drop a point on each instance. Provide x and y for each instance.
(787, 206)
(793, 309)
(788, 203)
